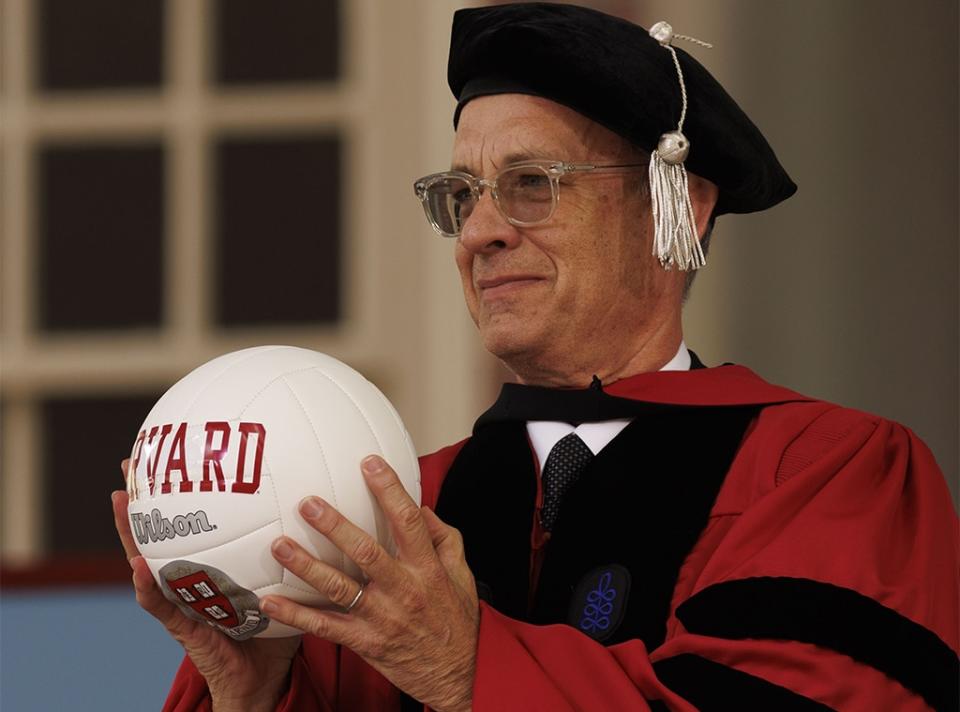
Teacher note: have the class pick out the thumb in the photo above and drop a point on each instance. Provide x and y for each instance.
(446, 540)
(440, 532)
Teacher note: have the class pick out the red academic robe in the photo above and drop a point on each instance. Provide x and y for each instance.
(828, 568)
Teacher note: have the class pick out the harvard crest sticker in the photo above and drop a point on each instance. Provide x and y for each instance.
(206, 594)
(600, 601)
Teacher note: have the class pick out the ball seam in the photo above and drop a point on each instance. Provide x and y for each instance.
(227, 369)
(323, 455)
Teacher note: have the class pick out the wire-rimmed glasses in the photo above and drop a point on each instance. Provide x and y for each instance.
(526, 193)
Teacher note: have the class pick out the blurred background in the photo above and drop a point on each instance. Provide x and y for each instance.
(182, 178)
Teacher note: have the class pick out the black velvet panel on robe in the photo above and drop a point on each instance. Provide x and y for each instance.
(490, 495)
(641, 504)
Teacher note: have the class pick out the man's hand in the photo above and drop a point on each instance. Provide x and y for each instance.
(417, 620)
(249, 675)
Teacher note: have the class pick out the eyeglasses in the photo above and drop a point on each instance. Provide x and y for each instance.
(525, 193)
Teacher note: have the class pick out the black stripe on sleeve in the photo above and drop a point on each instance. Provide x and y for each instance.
(710, 686)
(832, 617)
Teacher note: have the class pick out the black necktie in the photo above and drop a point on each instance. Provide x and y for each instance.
(564, 464)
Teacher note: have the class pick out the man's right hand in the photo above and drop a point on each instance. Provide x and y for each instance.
(251, 675)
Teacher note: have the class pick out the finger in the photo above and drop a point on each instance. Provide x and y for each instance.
(339, 628)
(333, 583)
(406, 522)
(152, 600)
(121, 520)
(124, 464)
(353, 541)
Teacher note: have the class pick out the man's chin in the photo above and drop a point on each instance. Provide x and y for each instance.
(508, 342)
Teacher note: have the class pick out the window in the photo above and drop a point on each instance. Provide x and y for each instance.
(174, 174)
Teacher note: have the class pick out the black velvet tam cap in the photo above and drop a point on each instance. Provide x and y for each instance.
(614, 73)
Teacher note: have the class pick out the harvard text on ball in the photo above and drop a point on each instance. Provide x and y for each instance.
(165, 451)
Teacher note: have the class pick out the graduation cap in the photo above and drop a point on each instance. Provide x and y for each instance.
(635, 83)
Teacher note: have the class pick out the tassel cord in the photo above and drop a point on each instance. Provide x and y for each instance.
(683, 87)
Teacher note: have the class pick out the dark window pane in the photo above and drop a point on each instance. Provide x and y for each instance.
(278, 230)
(266, 41)
(100, 228)
(92, 44)
(84, 440)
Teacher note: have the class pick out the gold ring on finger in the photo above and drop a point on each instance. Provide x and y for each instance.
(356, 599)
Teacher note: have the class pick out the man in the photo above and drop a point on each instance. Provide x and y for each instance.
(644, 532)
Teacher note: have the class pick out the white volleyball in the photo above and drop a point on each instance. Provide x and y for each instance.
(225, 457)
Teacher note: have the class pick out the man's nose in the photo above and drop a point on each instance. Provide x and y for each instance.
(487, 230)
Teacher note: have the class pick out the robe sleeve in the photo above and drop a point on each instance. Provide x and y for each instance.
(833, 572)
(189, 690)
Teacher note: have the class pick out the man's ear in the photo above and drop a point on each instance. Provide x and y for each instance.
(703, 198)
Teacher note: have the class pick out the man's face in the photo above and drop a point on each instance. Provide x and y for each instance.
(561, 301)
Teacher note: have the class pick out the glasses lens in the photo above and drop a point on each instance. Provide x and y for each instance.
(526, 193)
(449, 201)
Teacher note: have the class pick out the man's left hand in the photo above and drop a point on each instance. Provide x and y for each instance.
(418, 617)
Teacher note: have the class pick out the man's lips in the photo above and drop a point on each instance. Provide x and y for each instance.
(495, 286)
(489, 282)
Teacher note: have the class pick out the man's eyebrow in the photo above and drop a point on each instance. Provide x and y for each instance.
(529, 155)
(511, 158)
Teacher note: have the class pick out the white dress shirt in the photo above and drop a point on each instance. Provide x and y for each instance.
(544, 434)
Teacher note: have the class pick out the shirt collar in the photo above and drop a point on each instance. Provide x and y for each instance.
(544, 434)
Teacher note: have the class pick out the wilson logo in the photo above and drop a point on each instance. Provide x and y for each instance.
(155, 527)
